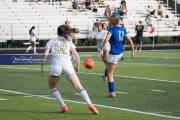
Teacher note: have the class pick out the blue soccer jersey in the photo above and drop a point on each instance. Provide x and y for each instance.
(116, 40)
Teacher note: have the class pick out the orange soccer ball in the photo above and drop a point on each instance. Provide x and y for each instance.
(89, 63)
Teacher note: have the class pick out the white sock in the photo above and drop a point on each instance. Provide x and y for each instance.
(34, 50)
(85, 96)
(55, 93)
(27, 50)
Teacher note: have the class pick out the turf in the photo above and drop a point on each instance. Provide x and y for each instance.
(150, 83)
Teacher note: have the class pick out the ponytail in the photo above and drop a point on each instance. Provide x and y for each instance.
(33, 27)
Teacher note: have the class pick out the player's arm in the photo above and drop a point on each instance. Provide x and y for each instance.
(77, 59)
(105, 41)
(131, 45)
(45, 55)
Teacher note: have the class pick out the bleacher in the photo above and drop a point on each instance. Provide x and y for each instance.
(17, 18)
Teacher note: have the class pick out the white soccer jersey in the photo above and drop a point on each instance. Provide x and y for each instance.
(60, 59)
(60, 45)
(99, 35)
(33, 36)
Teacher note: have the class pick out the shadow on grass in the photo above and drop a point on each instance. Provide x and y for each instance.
(43, 112)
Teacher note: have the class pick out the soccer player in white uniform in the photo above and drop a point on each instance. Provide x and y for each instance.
(60, 48)
(33, 38)
(100, 35)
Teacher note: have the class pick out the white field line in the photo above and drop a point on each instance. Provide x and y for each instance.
(138, 78)
(77, 94)
(165, 65)
(157, 57)
(137, 57)
(149, 58)
(3, 99)
(118, 92)
(136, 63)
(104, 106)
(27, 96)
(160, 91)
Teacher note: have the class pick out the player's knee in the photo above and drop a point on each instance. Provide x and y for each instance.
(52, 82)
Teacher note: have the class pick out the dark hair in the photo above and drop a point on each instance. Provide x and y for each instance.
(30, 30)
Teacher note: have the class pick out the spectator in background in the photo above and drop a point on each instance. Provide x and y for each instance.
(104, 26)
(124, 5)
(95, 7)
(116, 13)
(123, 2)
(88, 4)
(179, 22)
(67, 23)
(122, 12)
(74, 5)
(101, 2)
(108, 11)
(150, 11)
(139, 36)
(148, 21)
(95, 25)
(33, 38)
(160, 11)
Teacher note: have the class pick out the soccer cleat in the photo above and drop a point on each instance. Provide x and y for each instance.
(93, 109)
(112, 95)
(63, 109)
(104, 77)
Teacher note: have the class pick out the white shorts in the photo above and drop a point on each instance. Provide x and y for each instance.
(33, 39)
(65, 67)
(106, 47)
(114, 58)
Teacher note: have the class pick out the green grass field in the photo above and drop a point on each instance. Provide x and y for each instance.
(148, 88)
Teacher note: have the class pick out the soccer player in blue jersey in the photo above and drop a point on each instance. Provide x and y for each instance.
(115, 37)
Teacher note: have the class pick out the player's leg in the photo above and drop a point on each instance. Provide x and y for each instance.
(74, 80)
(140, 44)
(52, 82)
(104, 57)
(112, 60)
(136, 43)
(110, 71)
(29, 48)
(55, 72)
(33, 44)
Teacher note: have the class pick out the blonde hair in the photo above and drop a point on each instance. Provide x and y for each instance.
(113, 21)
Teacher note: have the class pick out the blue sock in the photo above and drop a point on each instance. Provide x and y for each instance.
(111, 86)
(105, 72)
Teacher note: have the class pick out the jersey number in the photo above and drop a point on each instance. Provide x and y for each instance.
(121, 35)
